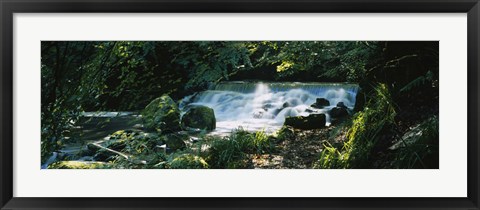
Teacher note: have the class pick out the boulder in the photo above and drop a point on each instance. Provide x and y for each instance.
(77, 165)
(201, 117)
(162, 115)
(341, 105)
(320, 103)
(338, 112)
(312, 121)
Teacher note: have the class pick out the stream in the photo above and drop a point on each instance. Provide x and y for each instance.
(253, 106)
(264, 106)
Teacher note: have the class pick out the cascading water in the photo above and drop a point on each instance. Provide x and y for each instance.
(264, 106)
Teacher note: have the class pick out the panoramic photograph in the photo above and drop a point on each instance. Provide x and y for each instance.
(239, 105)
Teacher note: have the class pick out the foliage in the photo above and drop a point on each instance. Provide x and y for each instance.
(422, 151)
(127, 75)
(63, 92)
(285, 133)
(419, 81)
(137, 143)
(231, 151)
(188, 161)
(368, 128)
(207, 62)
(326, 60)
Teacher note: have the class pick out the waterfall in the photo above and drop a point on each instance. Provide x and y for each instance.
(264, 106)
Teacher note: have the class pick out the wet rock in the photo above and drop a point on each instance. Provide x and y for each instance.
(267, 106)
(338, 112)
(162, 115)
(320, 103)
(341, 105)
(312, 121)
(201, 117)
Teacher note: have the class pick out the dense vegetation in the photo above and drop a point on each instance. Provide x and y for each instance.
(398, 81)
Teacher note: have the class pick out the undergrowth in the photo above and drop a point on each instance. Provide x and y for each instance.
(232, 151)
(366, 131)
(422, 150)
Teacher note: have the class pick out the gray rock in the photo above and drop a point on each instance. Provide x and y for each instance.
(312, 121)
(341, 105)
(320, 103)
(338, 112)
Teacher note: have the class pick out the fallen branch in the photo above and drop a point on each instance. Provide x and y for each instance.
(111, 150)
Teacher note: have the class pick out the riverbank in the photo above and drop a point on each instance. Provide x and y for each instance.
(306, 132)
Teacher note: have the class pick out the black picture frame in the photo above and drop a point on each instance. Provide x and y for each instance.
(9, 7)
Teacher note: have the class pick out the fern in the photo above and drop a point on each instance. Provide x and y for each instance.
(419, 81)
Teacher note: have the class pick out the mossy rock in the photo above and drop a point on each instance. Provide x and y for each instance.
(200, 117)
(188, 161)
(162, 115)
(77, 165)
(312, 121)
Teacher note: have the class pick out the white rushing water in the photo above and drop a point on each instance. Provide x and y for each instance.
(264, 106)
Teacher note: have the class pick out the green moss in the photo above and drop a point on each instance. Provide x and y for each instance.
(200, 117)
(364, 134)
(188, 161)
(130, 141)
(162, 115)
(78, 165)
